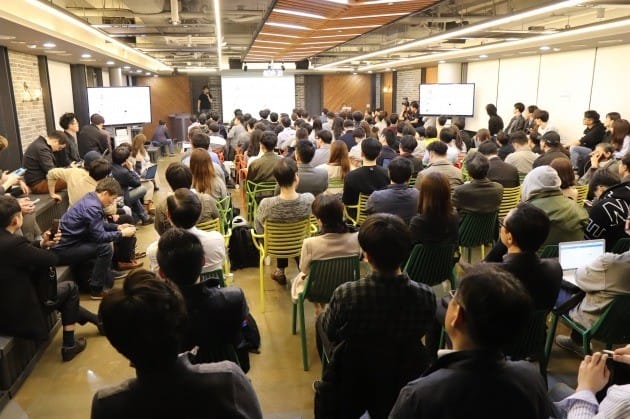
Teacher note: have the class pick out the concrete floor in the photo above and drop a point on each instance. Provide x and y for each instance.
(57, 390)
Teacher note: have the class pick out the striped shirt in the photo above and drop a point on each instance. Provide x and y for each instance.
(583, 404)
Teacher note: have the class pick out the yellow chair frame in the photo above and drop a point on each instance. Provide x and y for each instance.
(251, 190)
(582, 191)
(360, 208)
(511, 198)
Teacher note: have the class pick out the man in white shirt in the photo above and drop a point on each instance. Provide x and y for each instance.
(542, 120)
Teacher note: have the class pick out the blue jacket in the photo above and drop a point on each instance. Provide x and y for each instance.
(84, 222)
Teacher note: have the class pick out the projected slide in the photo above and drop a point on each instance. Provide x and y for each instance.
(447, 99)
(252, 93)
(121, 105)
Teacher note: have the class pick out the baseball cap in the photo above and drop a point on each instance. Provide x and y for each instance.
(552, 138)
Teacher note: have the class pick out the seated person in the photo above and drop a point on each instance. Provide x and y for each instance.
(367, 178)
(179, 176)
(145, 321)
(85, 235)
(552, 149)
(486, 301)
(607, 216)
(312, 179)
(39, 159)
(602, 159)
(131, 184)
(262, 169)
(335, 239)
(479, 196)
(438, 163)
(25, 294)
(523, 157)
(408, 145)
(593, 376)
(389, 150)
(499, 171)
(541, 187)
(593, 134)
(602, 279)
(376, 326)
(324, 139)
(161, 138)
(397, 198)
(183, 211)
(216, 314)
(93, 137)
(289, 206)
(437, 222)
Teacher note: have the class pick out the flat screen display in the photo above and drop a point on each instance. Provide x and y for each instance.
(121, 105)
(454, 99)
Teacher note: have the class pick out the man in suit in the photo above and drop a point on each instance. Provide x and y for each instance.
(486, 301)
(92, 137)
(480, 195)
(25, 297)
(145, 320)
(261, 169)
(517, 123)
(499, 171)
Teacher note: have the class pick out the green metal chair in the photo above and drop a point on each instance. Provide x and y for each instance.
(361, 215)
(531, 344)
(225, 212)
(324, 278)
(582, 193)
(549, 251)
(335, 183)
(612, 327)
(431, 265)
(621, 246)
(254, 192)
(214, 276)
(477, 230)
(412, 181)
(281, 240)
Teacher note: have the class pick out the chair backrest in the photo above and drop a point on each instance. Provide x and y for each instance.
(549, 251)
(521, 177)
(613, 326)
(430, 264)
(582, 191)
(210, 225)
(361, 214)
(254, 193)
(511, 198)
(284, 239)
(530, 343)
(327, 274)
(213, 277)
(412, 181)
(477, 229)
(621, 245)
(335, 183)
(225, 211)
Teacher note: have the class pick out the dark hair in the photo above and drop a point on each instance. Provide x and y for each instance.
(200, 140)
(400, 126)
(249, 122)
(414, 104)
(565, 171)
(264, 113)
(591, 114)
(213, 127)
(408, 143)
(305, 150)
(518, 137)
(430, 132)
(442, 119)
(60, 136)
(438, 147)
(551, 138)
(99, 169)
(434, 200)
(273, 116)
(180, 256)
(613, 116)
(66, 119)
(602, 178)
(359, 133)
(109, 185)
(269, 140)
(493, 299)
(393, 118)
(409, 130)
(519, 106)
(97, 119)
(477, 165)
(400, 170)
(447, 134)
(459, 122)
(9, 207)
(386, 240)
(301, 134)
(284, 171)
(337, 127)
(328, 208)
(214, 115)
(348, 123)
(178, 176)
(371, 148)
(162, 122)
(491, 109)
(203, 118)
(488, 148)
(184, 208)
(529, 226)
(120, 154)
(339, 155)
(625, 160)
(532, 108)
(620, 129)
(357, 116)
(483, 135)
(325, 136)
(542, 115)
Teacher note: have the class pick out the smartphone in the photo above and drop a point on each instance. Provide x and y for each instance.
(20, 171)
(54, 228)
(35, 201)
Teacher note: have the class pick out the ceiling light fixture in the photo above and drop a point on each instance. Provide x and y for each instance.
(545, 48)
(138, 71)
(86, 55)
(218, 30)
(273, 42)
(110, 62)
(458, 33)
(343, 35)
(278, 34)
(31, 46)
(126, 67)
(48, 45)
(298, 13)
(286, 25)
(483, 56)
(372, 16)
(343, 28)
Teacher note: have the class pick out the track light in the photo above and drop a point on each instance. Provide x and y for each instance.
(244, 66)
(282, 67)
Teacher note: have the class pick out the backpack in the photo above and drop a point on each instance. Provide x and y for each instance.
(243, 253)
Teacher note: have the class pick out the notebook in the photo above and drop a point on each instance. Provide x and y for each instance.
(150, 173)
(574, 255)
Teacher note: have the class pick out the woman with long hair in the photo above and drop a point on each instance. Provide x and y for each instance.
(567, 177)
(437, 221)
(253, 149)
(620, 137)
(338, 164)
(205, 179)
(315, 129)
(140, 161)
(337, 127)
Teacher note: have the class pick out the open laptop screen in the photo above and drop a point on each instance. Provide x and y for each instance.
(573, 255)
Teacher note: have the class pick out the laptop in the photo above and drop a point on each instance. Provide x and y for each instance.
(574, 255)
(151, 172)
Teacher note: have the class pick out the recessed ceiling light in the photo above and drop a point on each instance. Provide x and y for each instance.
(86, 55)
(545, 48)
(441, 61)
(126, 67)
(110, 63)
(18, 42)
(370, 71)
(483, 56)
(138, 71)
(298, 13)
(155, 75)
(286, 25)
(31, 46)
(556, 49)
(278, 34)
(148, 73)
(48, 45)
(6, 37)
(56, 51)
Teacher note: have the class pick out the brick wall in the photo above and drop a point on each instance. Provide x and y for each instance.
(300, 101)
(378, 93)
(31, 121)
(407, 85)
(214, 83)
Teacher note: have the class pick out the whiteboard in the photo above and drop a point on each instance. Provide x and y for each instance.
(253, 93)
(121, 105)
(447, 99)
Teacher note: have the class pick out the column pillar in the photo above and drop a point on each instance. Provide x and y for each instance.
(450, 73)
(115, 77)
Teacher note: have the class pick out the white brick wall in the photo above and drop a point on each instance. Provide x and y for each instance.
(31, 121)
(407, 85)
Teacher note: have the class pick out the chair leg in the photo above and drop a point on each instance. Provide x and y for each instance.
(469, 250)
(261, 276)
(483, 251)
(551, 332)
(303, 334)
(294, 320)
(586, 344)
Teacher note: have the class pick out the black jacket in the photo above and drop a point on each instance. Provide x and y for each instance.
(38, 160)
(92, 138)
(608, 216)
(593, 136)
(503, 173)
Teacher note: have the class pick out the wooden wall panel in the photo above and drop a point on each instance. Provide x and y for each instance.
(353, 90)
(432, 74)
(169, 95)
(388, 88)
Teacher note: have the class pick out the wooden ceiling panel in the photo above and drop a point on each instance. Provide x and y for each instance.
(297, 29)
